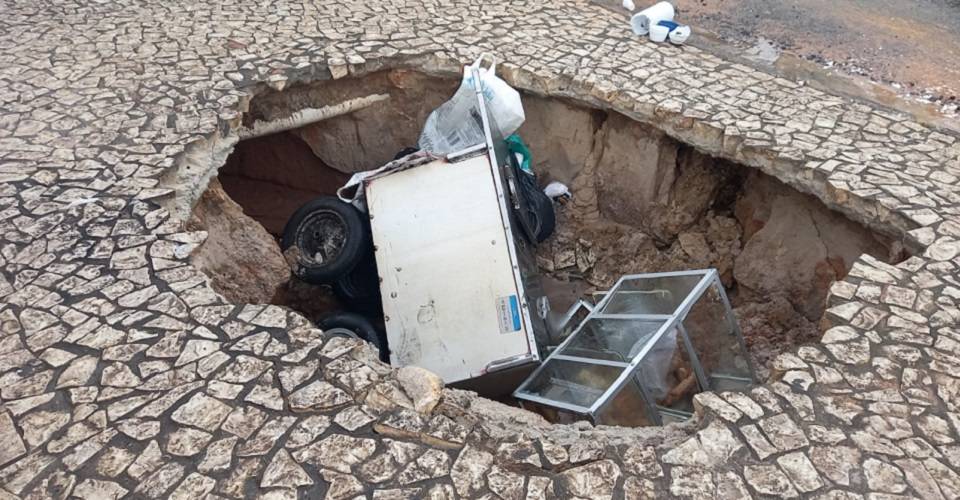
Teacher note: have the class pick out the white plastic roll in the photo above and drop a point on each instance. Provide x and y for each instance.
(679, 35)
(641, 21)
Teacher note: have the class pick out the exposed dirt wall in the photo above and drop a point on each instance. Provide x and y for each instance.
(646, 203)
(368, 138)
(241, 258)
(793, 246)
(272, 176)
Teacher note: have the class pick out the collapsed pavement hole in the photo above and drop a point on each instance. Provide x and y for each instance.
(642, 202)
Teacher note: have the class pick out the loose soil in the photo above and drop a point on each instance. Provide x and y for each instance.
(912, 45)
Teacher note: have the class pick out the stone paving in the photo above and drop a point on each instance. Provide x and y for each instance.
(123, 373)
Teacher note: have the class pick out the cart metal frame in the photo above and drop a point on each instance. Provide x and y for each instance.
(630, 369)
(515, 269)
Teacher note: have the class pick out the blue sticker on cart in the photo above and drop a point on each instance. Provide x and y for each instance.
(508, 313)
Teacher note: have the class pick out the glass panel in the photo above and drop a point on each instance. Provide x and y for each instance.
(671, 417)
(721, 383)
(571, 382)
(614, 339)
(626, 408)
(659, 295)
(667, 373)
(554, 415)
(716, 342)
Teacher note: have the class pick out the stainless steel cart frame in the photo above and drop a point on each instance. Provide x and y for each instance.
(617, 341)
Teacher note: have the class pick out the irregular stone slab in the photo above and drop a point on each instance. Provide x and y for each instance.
(307, 431)
(218, 455)
(11, 446)
(17, 475)
(266, 439)
(223, 390)
(469, 470)
(94, 489)
(158, 483)
(236, 481)
(783, 432)
(292, 376)
(186, 442)
(422, 386)
(162, 404)
(244, 420)
(195, 486)
(691, 482)
(642, 461)
(168, 347)
(769, 480)
(20, 406)
(265, 394)
(30, 386)
(196, 349)
(113, 461)
(84, 451)
(140, 429)
(353, 418)
(337, 451)
(801, 471)
(202, 411)
(119, 375)
(38, 426)
(148, 461)
(319, 395)
(284, 472)
(77, 373)
(75, 434)
(836, 462)
(505, 484)
(342, 486)
(882, 476)
(244, 369)
(595, 480)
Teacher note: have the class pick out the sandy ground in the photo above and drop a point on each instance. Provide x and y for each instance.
(913, 45)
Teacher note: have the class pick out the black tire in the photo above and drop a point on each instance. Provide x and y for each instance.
(359, 290)
(544, 218)
(404, 152)
(360, 327)
(330, 236)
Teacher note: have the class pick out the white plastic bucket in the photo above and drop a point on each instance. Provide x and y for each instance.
(679, 35)
(658, 33)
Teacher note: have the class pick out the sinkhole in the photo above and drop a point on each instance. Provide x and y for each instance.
(641, 202)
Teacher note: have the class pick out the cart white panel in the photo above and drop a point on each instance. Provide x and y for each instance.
(449, 293)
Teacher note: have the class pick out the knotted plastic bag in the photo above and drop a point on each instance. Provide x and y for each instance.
(457, 123)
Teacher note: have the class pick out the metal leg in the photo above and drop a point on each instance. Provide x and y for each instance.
(694, 359)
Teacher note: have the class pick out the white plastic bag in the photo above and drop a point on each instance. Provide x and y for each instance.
(457, 124)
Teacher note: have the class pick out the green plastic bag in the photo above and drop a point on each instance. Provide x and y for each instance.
(515, 145)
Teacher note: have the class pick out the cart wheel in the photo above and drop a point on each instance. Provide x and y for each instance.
(359, 290)
(542, 214)
(355, 326)
(329, 237)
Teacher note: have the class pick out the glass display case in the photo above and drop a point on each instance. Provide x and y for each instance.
(642, 353)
